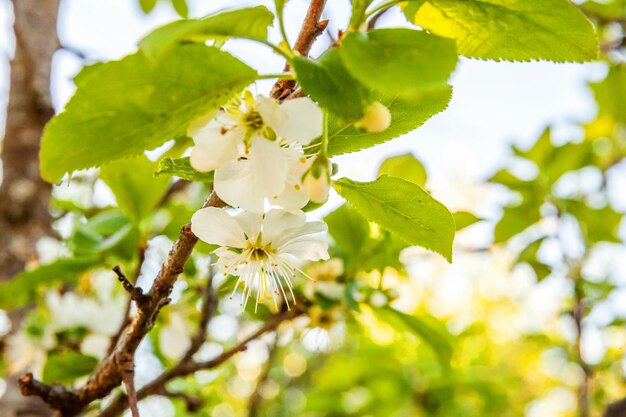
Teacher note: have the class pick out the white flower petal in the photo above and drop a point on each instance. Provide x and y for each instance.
(216, 226)
(246, 183)
(214, 146)
(277, 221)
(269, 109)
(294, 196)
(291, 198)
(310, 249)
(201, 158)
(294, 234)
(225, 258)
(301, 120)
(250, 223)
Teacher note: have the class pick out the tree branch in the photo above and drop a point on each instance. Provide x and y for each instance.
(311, 28)
(188, 366)
(126, 322)
(57, 396)
(109, 373)
(136, 293)
(617, 409)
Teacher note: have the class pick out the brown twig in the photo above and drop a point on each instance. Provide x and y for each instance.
(176, 187)
(55, 395)
(108, 375)
(116, 337)
(371, 24)
(617, 409)
(311, 28)
(136, 293)
(189, 366)
(128, 378)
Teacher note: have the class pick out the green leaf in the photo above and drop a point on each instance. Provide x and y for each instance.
(612, 10)
(181, 8)
(23, 288)
(554, 161)
(406, 116)
(147, 5)
(463, 219)
(597, 224)
(529, 256)
(250, 23)
(609, 93)
(403, 208)
(67, 366)
(348, 229)
(541, 150)
(381, 252)
(506, 178)
(355, 245)
(424, 326)
(515, 220)
(511, 30)
(107, 231)
(402, 62)
(181, 168)
(136, 190)
(532, 192)
(329, 83)
(405, 166)
(125, 107)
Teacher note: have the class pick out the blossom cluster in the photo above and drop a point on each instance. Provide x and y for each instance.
(256, 148)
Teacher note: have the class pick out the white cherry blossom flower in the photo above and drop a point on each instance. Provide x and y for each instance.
(262, 249)
(254, 147)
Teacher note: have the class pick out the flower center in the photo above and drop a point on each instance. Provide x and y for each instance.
(253, 120)
(258, 254)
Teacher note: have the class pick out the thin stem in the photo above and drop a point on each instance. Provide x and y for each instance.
(276, 49)
(325, 140)
(281, 25)
(380, 7)
(281, 76)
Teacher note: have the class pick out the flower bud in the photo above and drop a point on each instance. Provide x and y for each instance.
(316, 181)
(375, 119)
(378, 299)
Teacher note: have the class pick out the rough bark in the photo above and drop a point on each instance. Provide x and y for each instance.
(312, 27)
(24, 216)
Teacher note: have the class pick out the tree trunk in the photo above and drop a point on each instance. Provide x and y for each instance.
(24, 216)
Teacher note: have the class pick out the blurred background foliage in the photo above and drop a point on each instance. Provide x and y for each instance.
(391, 330)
